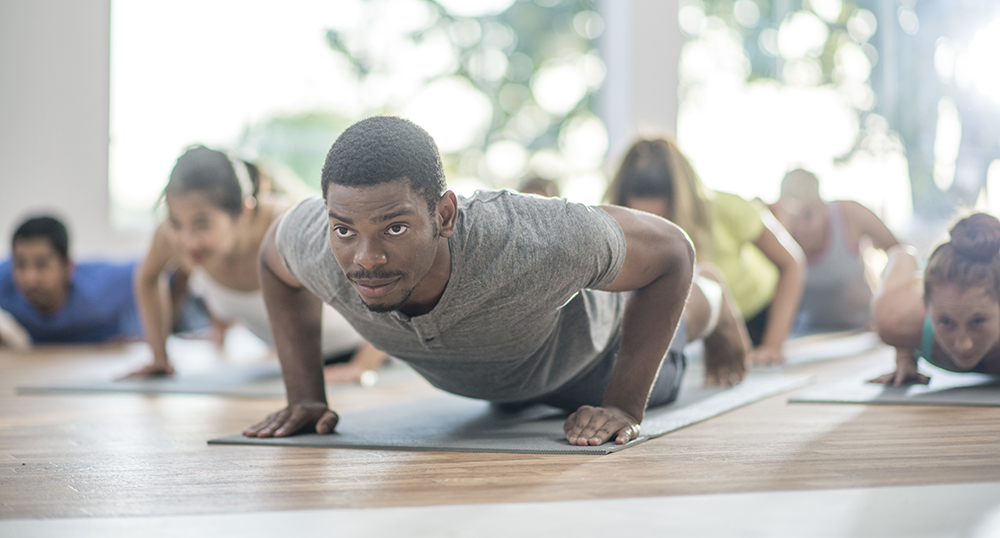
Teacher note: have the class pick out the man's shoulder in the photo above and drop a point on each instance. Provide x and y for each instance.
(305, 213)
(299, 226)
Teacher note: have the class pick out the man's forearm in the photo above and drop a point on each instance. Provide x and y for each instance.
(652, 314)
(295, 315)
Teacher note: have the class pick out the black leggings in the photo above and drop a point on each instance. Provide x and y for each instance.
(757, 324)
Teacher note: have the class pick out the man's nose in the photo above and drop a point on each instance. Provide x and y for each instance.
(31, 276)
(369, 254)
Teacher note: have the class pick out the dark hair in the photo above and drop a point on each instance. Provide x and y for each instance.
(45, 227)
(654, 167)
(971, 258)
(217, 176)
(381, 149)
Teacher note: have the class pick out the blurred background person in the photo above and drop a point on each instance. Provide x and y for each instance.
(762, 265)
(832, 235)
(540, 186)
(56, 300)
(217, 218)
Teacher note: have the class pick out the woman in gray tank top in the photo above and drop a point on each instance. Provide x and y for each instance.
(838, 288)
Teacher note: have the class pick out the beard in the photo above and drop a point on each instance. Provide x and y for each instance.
(380, 275)
(382, 309)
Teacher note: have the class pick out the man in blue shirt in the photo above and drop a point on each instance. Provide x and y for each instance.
(57, 301)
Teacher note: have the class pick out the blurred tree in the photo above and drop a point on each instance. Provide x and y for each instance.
(886, 59)
(505, 87)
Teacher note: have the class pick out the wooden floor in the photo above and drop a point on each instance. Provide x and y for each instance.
(132, 455)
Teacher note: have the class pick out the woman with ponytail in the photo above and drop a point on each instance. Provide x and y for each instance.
(762, 265)
(950, 314)
(217, 218)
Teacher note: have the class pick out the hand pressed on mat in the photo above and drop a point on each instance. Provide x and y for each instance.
(906, 372)
(766, 356)
(597, 425)
(294, 419)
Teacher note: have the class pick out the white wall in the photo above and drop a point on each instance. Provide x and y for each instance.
(54, 84)
(641, 46)
(54, 95)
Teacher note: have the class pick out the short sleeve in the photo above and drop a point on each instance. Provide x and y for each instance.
(742, 218)
(295, 224)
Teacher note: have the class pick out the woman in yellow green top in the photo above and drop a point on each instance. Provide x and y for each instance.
(763, 265)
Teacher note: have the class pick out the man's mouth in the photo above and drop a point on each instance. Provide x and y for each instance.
(375, 288)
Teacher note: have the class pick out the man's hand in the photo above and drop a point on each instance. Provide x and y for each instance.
(766, 356)
(597, 425)
(293, 419)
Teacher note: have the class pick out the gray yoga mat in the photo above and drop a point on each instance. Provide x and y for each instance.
(945, 388)
(455, 424)
(237, 381)
(820, 347)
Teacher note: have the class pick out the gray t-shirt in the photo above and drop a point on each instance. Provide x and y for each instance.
(516, 320)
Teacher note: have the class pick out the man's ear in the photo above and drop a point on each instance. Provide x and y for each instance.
(447, 214)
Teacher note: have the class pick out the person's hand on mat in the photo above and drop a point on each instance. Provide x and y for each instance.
(597, 425)
(725, 375)
(901, 377)
(155, 369)
(766, 356)
(906, 371)
(294, 419)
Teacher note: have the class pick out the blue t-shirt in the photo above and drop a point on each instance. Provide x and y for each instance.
(101, 306)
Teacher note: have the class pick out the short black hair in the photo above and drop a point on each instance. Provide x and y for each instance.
(45, 227)
(381, 149)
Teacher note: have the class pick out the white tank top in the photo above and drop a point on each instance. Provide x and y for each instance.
(247, 308)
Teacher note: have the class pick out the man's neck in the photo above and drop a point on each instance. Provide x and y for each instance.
(430, 290)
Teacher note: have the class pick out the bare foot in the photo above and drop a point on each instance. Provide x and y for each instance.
(151, 370)
(726, 347)
(348, 372)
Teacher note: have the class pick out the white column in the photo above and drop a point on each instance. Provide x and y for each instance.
(641, 46)
(54, 94)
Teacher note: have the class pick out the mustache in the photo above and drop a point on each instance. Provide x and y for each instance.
(376, 274)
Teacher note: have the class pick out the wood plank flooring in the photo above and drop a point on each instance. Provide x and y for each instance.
(132, 455)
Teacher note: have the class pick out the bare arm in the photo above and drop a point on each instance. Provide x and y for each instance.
(154, 308)
(659, 267)
(898, 313)
(866, 223)
(779, 247)
(296, 319)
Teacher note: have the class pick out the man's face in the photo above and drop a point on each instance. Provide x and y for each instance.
(40, 273)
(385, 240)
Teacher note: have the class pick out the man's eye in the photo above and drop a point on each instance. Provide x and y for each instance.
(396, 229)
(340, 231)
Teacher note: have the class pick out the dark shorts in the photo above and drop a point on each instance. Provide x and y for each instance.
(589, 389)
(757, 324)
